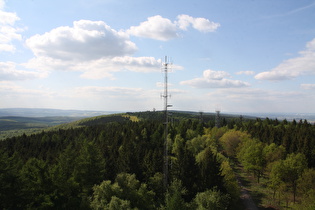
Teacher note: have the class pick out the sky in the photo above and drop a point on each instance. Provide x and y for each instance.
(236, 56)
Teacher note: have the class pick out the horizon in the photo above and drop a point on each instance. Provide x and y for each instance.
(36, 112)
(244, 57)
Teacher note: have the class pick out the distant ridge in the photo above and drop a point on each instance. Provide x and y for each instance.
(41, 112)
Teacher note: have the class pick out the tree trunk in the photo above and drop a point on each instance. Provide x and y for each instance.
(294, 193)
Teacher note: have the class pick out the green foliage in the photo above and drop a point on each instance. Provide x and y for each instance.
(230, 181)
(37, 185)
(101, 164)
(231, 140)
(174, 197)
(273, 153)
(288, 172)
(9, 182)
(118, 204)
(212, 199)
(251, 156)
(126, 191)
(210, 170)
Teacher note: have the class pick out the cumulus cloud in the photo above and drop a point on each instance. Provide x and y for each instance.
(255, 94)
(90, 47)
(10, 90)
(200, 24)
(1, 4)
(245, 72)
(155, 27)
(215, 79)
(115, 92)
(85, 40)
(308, 86)
(294, 67)
(97, 69)
(104, 67)
(215, 75)
(8, 32)
(261, 100)
(9, 72)
(159, 28)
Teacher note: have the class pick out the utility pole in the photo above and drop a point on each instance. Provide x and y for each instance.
(166, 105)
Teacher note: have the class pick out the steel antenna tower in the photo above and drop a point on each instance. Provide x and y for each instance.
(166, 105)
(217, 117)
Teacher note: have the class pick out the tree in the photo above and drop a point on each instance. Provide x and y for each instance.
(174, 196)
(118, 204)
(289, 171)
(89, 169)
(230, 181)
(306, 182)
(184, 167)
(231, 140)
(275, 177)
(37, 185)
(126, 190)
(273, 153)
(251, 156)
(10, 184)
(212, 200)
(67, 189)
(210, 170)
(294, 164)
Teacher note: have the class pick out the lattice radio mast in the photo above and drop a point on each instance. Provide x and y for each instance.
(217, 117)
(166, 66)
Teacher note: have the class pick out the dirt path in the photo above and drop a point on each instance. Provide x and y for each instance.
(245, 196)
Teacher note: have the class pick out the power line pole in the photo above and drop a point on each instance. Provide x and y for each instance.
(166, 105)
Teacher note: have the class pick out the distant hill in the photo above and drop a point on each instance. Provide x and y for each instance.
(14, 122)
(34, 112)
(14, 125)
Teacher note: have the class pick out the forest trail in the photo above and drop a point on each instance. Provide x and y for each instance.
(245, 196)
(247, 199)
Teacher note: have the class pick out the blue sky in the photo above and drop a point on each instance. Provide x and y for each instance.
(240, 56)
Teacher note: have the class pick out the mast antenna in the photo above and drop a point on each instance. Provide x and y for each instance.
(217, 116)
(166, 67)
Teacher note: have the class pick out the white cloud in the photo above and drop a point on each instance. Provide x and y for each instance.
(90, 47)
(105, 67)
(97, 69)
(215, 75)
(260, 100)
(200, 24)
(9, 72)
(294, 67)
(86, 40)
(159, 28)
(215, 79)
(256, 94)
(114, 92)
(308, 86)
(1, 4)
(155, 27)
(245, 72)
(11, 90)
(8, 32)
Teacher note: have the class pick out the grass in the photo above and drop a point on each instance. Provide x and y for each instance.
(261, 194)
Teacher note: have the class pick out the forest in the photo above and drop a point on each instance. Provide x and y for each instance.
(116, 162)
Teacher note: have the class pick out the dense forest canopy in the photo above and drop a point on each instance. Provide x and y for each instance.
(117, 161)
